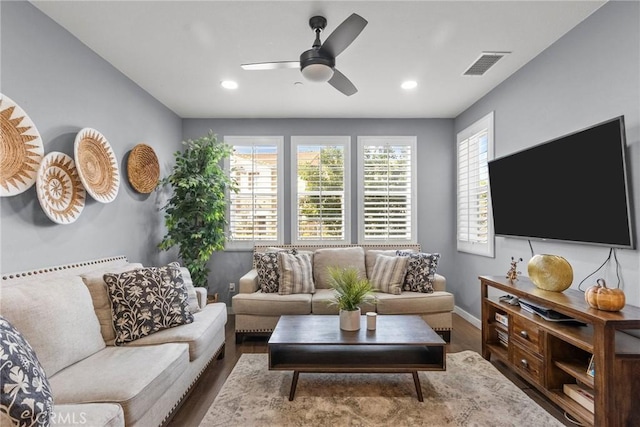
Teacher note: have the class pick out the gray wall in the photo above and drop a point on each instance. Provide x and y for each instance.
(63, 86)
(435, 195)
(590, 75)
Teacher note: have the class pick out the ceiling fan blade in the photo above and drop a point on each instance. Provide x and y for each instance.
(270, 65)
(342, 83)
(344, 35)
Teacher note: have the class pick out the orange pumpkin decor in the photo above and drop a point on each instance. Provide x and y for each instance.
(603, 298)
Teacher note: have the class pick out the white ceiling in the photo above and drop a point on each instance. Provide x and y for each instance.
(179, 51)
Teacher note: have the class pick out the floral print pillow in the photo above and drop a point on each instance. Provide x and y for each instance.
(146, 301)
(421, 271)
(267, 266)
(25, 397)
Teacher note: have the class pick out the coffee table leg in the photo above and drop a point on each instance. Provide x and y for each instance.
(294, 384)
(416, 381)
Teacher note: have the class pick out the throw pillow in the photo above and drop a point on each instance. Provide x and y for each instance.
(388, 274)
(26, 394)
(420, 272)
(174, 270)
(192, 301)
(146, 301)
(267, 266)
(296, 274)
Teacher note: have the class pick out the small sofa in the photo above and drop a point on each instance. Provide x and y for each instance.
(257, 312)
(64, 314)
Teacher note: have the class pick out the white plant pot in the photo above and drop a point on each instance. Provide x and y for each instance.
(350, 320)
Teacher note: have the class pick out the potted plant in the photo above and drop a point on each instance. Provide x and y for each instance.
(350, 292)
(195, 215)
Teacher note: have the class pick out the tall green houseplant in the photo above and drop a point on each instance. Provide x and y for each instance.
(195, 215)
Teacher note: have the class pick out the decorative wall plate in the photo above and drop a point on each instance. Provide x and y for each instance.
(97, 165)
(143, 169)
(21, 149)
(59, 189)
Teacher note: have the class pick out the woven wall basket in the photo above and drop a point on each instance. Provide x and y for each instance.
(59, 189)
(21, 149)
(97, 165)
(143, 169)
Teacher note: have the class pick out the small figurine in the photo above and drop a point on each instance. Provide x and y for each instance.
(513, 272)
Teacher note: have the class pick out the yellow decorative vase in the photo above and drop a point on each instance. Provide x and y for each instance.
(550, 272)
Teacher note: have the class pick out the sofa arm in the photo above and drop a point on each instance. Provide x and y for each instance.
(201, 293)
(249, 282)
(439, 283)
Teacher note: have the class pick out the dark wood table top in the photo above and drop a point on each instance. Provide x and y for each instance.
(325, 330)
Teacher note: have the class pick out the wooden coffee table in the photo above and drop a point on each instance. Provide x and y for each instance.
(315, 343)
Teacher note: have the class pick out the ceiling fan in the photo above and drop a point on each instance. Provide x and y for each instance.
(318, 63)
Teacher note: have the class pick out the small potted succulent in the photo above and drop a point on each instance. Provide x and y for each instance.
(351, 291)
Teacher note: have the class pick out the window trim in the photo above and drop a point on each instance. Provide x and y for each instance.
(412, 142)
(278, 141)
(483, 249)
(333, 140)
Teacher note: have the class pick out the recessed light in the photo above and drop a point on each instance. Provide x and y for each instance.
(409, 84)
(229, 84)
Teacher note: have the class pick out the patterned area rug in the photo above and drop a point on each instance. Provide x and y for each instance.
(471, 392)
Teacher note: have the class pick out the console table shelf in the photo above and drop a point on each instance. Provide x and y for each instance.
(550, 354)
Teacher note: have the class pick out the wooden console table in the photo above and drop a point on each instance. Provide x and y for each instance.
(550, 354)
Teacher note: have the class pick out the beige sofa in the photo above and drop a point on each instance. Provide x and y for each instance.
(256, 312)
(64, 314)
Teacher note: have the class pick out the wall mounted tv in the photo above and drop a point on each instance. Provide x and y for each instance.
(572, 189)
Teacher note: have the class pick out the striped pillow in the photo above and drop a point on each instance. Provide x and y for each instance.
(296, 274)
(388, 274)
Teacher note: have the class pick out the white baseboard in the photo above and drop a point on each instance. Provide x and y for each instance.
(468, 317)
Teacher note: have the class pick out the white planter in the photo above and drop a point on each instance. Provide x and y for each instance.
(350, 320)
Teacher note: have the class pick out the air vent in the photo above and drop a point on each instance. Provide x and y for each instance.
(482, 64)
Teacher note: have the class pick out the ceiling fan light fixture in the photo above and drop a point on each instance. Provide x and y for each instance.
(317, 72)
(409, 84)
(229, 84)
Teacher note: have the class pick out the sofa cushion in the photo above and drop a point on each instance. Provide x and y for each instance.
(420, 272)
(371, 254)
(296, 274)
(100, 297)
(199, 334)
(270, 304)
(88, 414)
(414, 303)
(146, 301)
(267, 266)
(321, 303)
(125, 376)
(56, 317)
(336, 257)
(26, 394)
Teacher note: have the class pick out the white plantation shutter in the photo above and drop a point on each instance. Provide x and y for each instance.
(474, 225)
(321, 203)
(255, 211)
(387, 189)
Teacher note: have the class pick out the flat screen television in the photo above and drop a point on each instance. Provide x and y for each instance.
(571, 189)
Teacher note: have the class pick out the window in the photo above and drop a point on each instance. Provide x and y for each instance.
(321, 203)
(475, 148)
(255, 211)
(387, 189)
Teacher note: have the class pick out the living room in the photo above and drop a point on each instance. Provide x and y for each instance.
(588, 75)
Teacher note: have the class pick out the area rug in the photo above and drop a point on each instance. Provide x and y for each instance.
(471, 392)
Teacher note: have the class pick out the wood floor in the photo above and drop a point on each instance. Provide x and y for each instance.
(465, 336)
